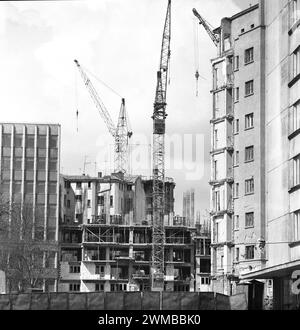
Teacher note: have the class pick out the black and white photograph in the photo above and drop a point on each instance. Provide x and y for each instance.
(150, 159)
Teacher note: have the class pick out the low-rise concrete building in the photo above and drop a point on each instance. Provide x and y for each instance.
(106, 236)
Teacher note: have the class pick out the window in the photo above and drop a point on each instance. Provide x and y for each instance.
(242, 30)
(249, 186)
(18, 163)
(236, 222)
(111, 201)
(18, 140)
(53, 139)
(297, 226)
(78, 185)
(99, 270)
(236, 62)
(295, 117)
(249, 55)
(252, 26)
(237, 256)
(30, 141)
(236, 190)
(41, 141)
(250, 252)
(236, 160)
(99, 287)
(88, 203)
(236, 94)
(41, 164)
(101, 200)
(296, 62)
(249, 154)
(249, 88)
(217, 201)
(52, 165)
(205, 280)
(74, 287)
(6, 140)
(249, 121)
(89, 184)
(237, 126)
(68, 204)
(249, 219)
(296, 171)
(216, 138)
(74, 269)
(215, 169)
(67, 184)
(294, 11)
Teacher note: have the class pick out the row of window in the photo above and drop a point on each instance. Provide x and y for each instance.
(249, 123)
(249, 220)
(29, 140)
(100, 201)
(79, 185)
(249, 188)
(249, 90)
(29, 163)
(249, 253)
(249, 156)
(248, 58)
(30, 152)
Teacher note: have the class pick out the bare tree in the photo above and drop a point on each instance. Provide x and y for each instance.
(25, 255)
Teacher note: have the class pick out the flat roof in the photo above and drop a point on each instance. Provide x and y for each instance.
(239, 14)
(34, 124)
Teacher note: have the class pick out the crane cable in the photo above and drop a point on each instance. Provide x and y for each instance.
(196, 53)
(102, 82)
(76, 99)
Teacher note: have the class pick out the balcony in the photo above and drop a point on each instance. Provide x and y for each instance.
(178, 240)
(220, 213)
(219, 182)
(140, 275)
(228, 116)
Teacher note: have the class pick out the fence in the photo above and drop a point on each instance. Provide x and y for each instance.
(122, 301)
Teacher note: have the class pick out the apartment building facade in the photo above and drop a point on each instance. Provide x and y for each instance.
(29, 166)
(282, 126)
(255, 154)
(106, 236)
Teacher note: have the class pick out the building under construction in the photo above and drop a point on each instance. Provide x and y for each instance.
(106, 236)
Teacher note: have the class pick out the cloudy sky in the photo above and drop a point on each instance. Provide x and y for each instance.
(119, 42)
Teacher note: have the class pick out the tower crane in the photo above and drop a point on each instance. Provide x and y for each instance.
(214, 37)
(159, 116)
(121, 133)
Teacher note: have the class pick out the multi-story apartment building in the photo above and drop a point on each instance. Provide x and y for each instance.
(106, 236)
(255, 152)
(282, 150)
(29, 167)
(237, 149)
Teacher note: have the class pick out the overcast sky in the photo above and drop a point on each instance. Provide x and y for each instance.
(119, 42)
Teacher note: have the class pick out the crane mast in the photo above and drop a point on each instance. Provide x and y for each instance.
(210, 32)
(159, 116)
(121, 133)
